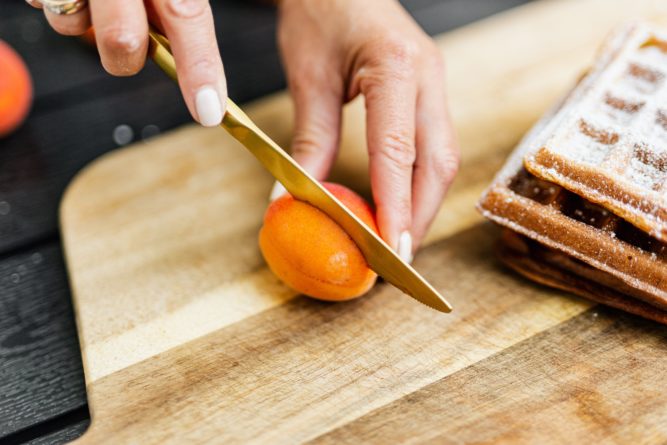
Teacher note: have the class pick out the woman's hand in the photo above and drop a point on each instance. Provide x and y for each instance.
(335, 50)
(121, 33)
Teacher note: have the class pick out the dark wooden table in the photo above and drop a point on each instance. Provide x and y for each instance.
(79, 113)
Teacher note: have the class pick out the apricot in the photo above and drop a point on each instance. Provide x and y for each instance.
(15, 89)
(311, 253)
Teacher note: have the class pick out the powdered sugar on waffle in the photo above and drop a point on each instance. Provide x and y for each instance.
(559, 114)
(616, 107)
(613, 124)
(606, 142)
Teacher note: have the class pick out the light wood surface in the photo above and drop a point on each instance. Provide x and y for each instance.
(186, 335)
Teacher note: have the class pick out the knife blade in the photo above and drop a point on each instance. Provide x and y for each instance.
(380, 257)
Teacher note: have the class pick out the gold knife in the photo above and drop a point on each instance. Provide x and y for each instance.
(380, 257)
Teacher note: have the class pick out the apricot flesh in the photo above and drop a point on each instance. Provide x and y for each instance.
(311, 253)
(15, 89)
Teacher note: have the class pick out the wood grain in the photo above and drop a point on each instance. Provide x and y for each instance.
(187, 336)
(29, 326)
(595, 377)
(62, 428)
(302, 368)
(65, 435)
(44, 371)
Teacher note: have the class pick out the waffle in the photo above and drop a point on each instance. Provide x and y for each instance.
(611, 144)
(587, 184)
(564, 221)
(555, 269)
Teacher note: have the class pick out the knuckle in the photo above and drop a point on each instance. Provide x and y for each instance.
(204, 63)
(399, 150)
(370, 82)
(305, 144)
(394, 56)
(445, 165)
(400, 51)
(119, 49)
(313, 137)
(187, 9)
(119, 40)
(375, 82)
(202, 68)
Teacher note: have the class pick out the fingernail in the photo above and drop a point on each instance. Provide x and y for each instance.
(277, 191)
(405, 247)
(207, 104)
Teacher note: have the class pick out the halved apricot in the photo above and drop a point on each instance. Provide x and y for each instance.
(311, 253)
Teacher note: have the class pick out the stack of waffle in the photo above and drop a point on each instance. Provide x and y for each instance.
(584, 196)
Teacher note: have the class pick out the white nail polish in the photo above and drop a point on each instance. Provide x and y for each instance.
(209, 110)
(277, 191)
(405, 247)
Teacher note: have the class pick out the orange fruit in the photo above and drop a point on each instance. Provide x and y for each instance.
(311, 253)
(15, 89)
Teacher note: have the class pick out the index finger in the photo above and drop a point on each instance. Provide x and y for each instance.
(189, 26)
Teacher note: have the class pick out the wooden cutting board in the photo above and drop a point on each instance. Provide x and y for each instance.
(188, 338)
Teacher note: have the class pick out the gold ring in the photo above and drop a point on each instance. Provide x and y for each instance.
(64, 7)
